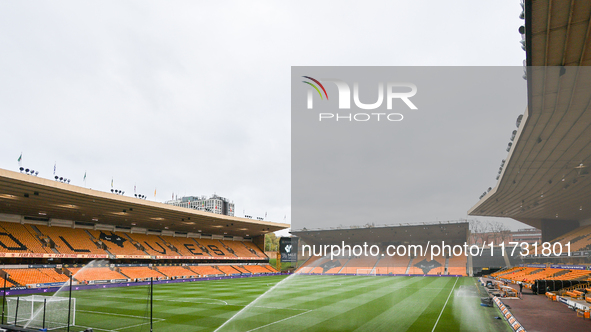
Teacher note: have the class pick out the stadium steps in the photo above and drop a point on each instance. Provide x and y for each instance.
(507, 262)
(228, 249)
(470, 265)
(97, 244)
(342, 267)
(560, 273)
(170, 245)
(136, 244)
(409, 265)
(373, 268)
(9, 279)
(202, 247)
(217, 268)
(37, 230)
(445, 270)
(506, 270)
(39, 235)
(250, 249)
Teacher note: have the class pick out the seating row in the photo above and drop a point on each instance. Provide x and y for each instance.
(32, 276)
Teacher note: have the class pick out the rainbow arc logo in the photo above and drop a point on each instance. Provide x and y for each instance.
(316, 87)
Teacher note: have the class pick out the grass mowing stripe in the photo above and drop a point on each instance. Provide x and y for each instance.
(362, 313)
(305, 303)
(279, 321)
(450, 292)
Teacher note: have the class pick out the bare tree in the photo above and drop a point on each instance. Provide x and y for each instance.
(499, 231)
(479, 230)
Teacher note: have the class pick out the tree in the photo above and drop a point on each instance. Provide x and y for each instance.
(271, 242)
(499, 231)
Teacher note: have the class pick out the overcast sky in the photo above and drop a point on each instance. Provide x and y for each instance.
(193, 97)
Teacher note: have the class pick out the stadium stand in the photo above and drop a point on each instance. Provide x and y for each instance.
(95, 273)
(35, 276)
(423, 265)
(240, 268)
(8, 283)
(571, 275)
(308, 265)
(239, 248)
(254, 249)
(212, 247)
(359, 263)
(70, 240)
(457, 265)
(256, 269)
(514, 259)
(507, 271)
(185, 246)
(579, 238)
(270, 268)
(228, 270)
(205, 270)
(392, 265)
(116, 243)
(17, 238)
(175, 271)
(41, 239)
(152, 244)
(140, 272)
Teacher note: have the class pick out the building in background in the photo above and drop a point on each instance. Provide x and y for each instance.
(213, 204)
(528, 235)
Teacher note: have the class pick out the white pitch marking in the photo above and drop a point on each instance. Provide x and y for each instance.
(452, 289)
(114, 314)
(191, 298)
(279, 321)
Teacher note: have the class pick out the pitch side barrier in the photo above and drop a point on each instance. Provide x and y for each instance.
(380, 275)
(130, 284)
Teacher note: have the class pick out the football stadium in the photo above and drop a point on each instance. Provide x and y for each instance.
(79, 259)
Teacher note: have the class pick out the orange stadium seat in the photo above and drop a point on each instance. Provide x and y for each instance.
(140, 272)
(8, 283)
(571, 275)
(359, 263)
(457, 265)
(175, 271)
(205, 270)
(392, 265)
(270, 268)
(153, 245)
(214, 248)
(256, 269)
(70, 240)
(35, 276)
(17, 238)
(95, 273)
(117, 243)
(254, 248)
(185, 246)
(308, 265)
(227, 269)
(580, 238)
(239, 248)
(240, 268)
(503, 272)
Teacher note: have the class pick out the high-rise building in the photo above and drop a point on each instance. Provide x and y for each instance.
(214, 204)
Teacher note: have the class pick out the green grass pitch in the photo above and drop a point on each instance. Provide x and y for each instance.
(295, 303)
